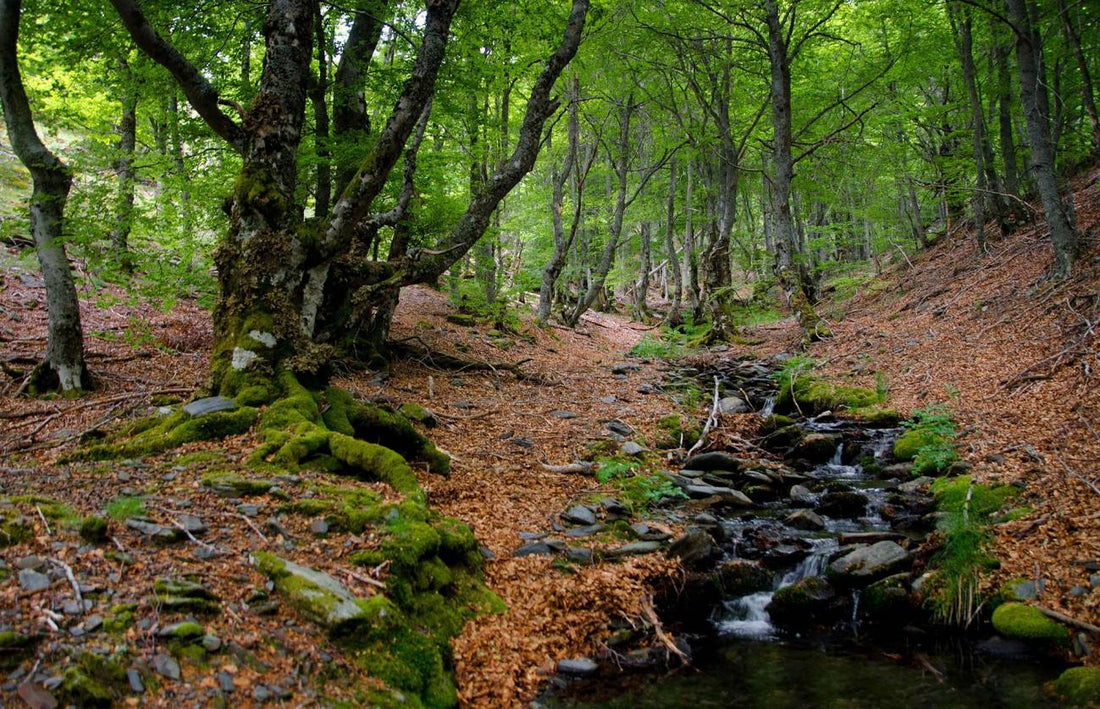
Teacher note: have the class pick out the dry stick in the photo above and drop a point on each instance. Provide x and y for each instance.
(711, 421)
(254, 528)
(659, 631)
(364, 579)
(72, 582)
(471, 417)
(1063, 618)
(43, 518)
(1079, 477)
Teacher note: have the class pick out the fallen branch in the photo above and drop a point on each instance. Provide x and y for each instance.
(577, 468)
(712, 420)
(659, 631)
(364, 579)
(43, 518)
(72, 582)
(254, 528)
(1067, 620)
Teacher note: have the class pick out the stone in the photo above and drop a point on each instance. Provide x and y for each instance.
(318, 596)
(585, 531)
(579, 555)
(816, 447)
(619, 428)
(624, 367)
(842, 504)
(1079, 686)
(579, 514)
(608, 399)
(849, 539)
(209, 405)
(800, 494)
(192, 524)
(225, 681)
(534, 549)
(35, 696)
(133, 677)
(318, 527)
(180, 595)
(578, 667)
(632, 448)
(565, 415)
(867, 564)
(732, 405)
(805, 519)
(93, 623)
(33, 581)
(248, 509)
(808, 601)
(887, 600)
(917, 485)
(634, 549)
(532, 536)
(166, 666)
(613, 507)
(695, 548)
(1023, 622)
(32, 562)
(155, 532)
(713, 460)
(211, 643)
(740, 577)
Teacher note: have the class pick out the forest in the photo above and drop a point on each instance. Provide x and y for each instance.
(563, 354)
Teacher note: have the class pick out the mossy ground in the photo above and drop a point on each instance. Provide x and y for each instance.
(811, 396)
(1020, 621)
(1079, 686)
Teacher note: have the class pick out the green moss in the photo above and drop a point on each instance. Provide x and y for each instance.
(877, 415)
(234, 485)
(119, 618)
(811, 395)
(417, 413)
(14, 531)
(51, 509)
(1016, 620)
(375, 461)
(376, 425)
(909, 444)
(15, 647)
(94, 680)
(93, 530)
(172, 431)
(1079, 686)
(675, 431)
(775, 422)
(199, 457)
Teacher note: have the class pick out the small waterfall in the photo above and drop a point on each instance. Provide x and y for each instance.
(769, 407)
(838, 456)
(749, 620)
(855, 612)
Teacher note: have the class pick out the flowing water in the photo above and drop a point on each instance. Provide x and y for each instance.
(744, 660)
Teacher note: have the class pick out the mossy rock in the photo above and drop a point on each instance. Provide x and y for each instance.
(877, 416)
(677, 431)
(93, 530)
(810, 600)
(14, 530)
(739, 577)
(418, 414)
(775, 422)
(93, 680)
(1023, 622)
(462, 319)
(783, 438)
(119, 618)
(1079, 687)
(182, 596)
(811, 395)
(909, 444)
(16, 647)
(234, 485)
(888, 600)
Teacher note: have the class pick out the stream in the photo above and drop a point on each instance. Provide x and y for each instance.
(792, 625)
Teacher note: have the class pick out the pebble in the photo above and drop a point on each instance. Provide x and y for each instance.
(134, 678)
(166, 666)
(578, 667)
(563, 414)
(632, 448)
(211, 643)
(225, 681)
(318, 526)
(93, 623)
(30, 562)
(248, 509)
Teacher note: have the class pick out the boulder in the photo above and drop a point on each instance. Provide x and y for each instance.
(809, 601)
(801, 495)
(713, 460)
(316, 595)
(695, 548)
(816, 447)
(843, 504)
(805, 519)
(740, 577)
(888, 601)
(732, 405)
(579, 514)
(1023, 622)
(865, 565)
(1079, 686)
(782, 439)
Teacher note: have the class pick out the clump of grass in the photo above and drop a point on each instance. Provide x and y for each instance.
(123, 508)
(672, 342)
(967, 509)
(638, 488)
(929, 440)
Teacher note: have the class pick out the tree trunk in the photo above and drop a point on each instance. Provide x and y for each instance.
(124, 168)
(1004, 115)
(1088, 96)
(1033, 96)
(675, 317)
(318, 89)
(787, 255)
(960, 27)
(690, 267)
(64, 365)
(645, 256)
(351, 124)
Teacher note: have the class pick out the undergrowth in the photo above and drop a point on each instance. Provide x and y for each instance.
(966, 509)
(672, 342)
(639, 489)
(929, 440)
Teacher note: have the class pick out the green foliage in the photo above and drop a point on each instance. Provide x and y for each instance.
(966, 510)
(609, 470)
(637, 487)
(123, 508)
(929, 440)
(672, 342)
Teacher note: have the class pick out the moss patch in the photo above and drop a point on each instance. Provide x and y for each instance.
(677, 431)
(15, 647)
(93, 680)
(171, 431)
(811, 395)
(1016, 620)
(1079, 686)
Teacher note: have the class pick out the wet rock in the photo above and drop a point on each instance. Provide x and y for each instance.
(805, 519)
(801, 495)
(842, 504)
(816, 447)
(887, 600)
(869, 538)
(713, 460)
(810, 601)
(209, 405)
(695, 548)
(867, 564)
(732, 405)
(33, 581)
(740, 577)
(782, 439)
(578, 667)
(579, 514)
(900, 470)
(917, 485)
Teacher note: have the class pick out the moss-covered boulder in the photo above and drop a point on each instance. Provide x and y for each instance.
(677, 431)
(810, 395)
(14, 529)
(183, 596)
(119, 617)
(740, 577)
(817, 447)
(909, 444)
(93, 680)
(93, 530)
(316, 595)
(888, 600)
(1079, 687)
(775, 422)
(876, 416)
(1023, 622)
(810, 601)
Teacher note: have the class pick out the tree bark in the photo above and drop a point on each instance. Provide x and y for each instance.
(1004, 116)
(318, 91)
(351, 124)
(51, 182)
(786, 246)
(1033, 96)
(1088, 96)
(675, 317)
(124, 168)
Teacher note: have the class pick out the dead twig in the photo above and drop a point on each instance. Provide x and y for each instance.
(72, 582)
(364, 579)
(658, 630)
(43, 518)
(1067, 620)
(577, 468)
(253, 527)
(712, 420)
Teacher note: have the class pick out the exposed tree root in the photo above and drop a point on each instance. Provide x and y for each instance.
(442, 360)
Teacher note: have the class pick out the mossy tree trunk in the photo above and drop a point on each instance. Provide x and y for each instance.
(64, 364)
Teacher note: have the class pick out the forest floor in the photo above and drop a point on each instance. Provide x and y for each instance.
(1011, 351)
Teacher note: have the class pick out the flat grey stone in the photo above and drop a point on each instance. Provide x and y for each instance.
(564, 415)
(32, 562)
(867, 564)
(225, 681)
(134, 678)
(193, 524)
(619, 428)
(624, 367)
(32, 581)
(585, 531)
(211, 643)
(805, 519)
(635, 548)
(632, 448)
(732, 405)
(579, 555)
(713, 460)
(608, 399)
(315, 594)
(93, 623)
(693, 474)
(318, 526)
(166, 666)
(532, 536)
(209, 405)
(578, 667)
(534, 549)
(248, 509)
(154, 531)
(579, 514)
